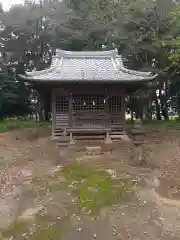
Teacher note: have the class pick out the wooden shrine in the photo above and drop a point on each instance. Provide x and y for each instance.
(88, 91)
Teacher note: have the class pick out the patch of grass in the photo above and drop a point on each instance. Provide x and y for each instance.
(76, 171)
(162, 124)
(94, 189)
(41, 228)
(53, 231)
(16, 229)
(13, 124)
(47, 228)
(40, 186)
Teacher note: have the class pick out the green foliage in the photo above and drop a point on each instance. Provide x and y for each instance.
(146, 32)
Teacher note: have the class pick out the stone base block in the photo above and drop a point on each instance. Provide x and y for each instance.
(94, 150)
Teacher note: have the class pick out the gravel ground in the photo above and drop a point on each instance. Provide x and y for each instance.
(146, 217)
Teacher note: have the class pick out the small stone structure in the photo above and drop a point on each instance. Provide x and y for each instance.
(93, 150)
(138, 142)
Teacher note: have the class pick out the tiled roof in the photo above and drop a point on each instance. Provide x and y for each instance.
(87, 66)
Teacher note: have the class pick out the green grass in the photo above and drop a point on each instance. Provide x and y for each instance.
(15, 229)
(12, 124)
(44, 228)
(51, 231)
(94, 189)
(162, 124)
(41, 186)
(158, 124)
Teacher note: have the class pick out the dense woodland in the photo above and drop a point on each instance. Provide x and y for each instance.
(145, 32)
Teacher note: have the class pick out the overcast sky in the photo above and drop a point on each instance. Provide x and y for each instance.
(8, 3)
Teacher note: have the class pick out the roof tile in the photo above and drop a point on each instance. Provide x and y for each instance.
(88, 66)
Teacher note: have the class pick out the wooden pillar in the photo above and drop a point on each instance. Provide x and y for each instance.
(123, 107)
(106, 110)
(70, 117)
(70, 109)
(53, 99)
(106, 107)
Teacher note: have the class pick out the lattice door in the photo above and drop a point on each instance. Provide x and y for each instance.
(61, 106)
(114, 105)
(87, 110)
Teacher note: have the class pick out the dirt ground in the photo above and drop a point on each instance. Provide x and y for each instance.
(28, 158)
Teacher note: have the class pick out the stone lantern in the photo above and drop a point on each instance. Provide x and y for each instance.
(2, 26)
(138, 142)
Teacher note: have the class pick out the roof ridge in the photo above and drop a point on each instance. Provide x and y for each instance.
(83, 54)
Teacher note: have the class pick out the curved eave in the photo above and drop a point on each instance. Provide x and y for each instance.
(56, 63)
(119, 65)
(121, 73)
(130, 81)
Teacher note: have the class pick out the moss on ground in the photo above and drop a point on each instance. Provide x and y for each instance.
(42, 185)
(52, 231)
(94, 189)
(40, 228)
(91, 190)
(15, 229)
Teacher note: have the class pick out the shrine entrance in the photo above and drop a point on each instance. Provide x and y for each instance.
(88, 111)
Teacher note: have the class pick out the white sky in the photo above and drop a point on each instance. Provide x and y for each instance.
(8, 3)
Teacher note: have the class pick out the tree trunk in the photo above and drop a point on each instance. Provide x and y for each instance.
(148, 114)
(40, 102)
(178, 106)
(142, 108)
(165, 112)
(46, 110)
(47, 105)
(164, 106)
(165, 100)
(158, 110)
(132, 115)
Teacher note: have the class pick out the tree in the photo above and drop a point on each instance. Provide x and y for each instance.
(139, 29)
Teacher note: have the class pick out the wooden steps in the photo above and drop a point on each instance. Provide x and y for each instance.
(85, 134)
(62, 141)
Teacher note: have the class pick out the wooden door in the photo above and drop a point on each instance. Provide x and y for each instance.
(61, 116)
(88, 111)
